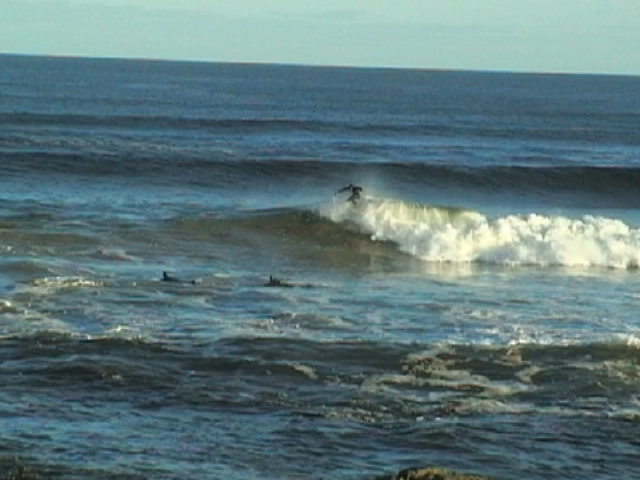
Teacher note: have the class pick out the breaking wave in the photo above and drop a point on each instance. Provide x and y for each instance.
(443, 234)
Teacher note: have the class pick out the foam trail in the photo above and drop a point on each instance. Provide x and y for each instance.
(441, 234)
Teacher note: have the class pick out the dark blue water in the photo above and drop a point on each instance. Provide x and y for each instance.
(475, 308)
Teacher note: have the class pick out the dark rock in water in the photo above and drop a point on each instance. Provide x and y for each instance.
(432, 473)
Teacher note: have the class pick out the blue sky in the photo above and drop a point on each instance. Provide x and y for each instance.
(583, 36)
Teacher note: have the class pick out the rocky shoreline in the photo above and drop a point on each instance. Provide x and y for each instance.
(17, 471)
(431, 473)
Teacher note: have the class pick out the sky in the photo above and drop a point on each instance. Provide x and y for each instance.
(565, 36)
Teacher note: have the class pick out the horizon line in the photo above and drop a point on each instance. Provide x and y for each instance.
(314, 65)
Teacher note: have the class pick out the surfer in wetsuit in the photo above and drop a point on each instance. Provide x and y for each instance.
(355, 192)
(168, 278)
(275, 282)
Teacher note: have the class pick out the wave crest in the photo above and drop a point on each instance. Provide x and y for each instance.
(443, 234)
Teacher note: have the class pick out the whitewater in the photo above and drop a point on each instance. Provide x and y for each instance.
(442, 234)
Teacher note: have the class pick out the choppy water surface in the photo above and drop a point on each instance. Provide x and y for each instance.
(475, 309)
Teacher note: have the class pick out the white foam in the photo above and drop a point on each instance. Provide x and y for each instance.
(54, 283)
(629, 340)
(438, 234)
(7, 306)
(115, 254)
(305, 370)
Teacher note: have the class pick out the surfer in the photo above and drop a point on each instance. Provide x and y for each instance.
(275, 282)
(168, 278)
(355, 192)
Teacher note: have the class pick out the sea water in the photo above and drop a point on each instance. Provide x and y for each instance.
(476, 308)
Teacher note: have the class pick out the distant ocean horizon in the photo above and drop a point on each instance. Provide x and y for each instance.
(266, 63)
(189, 288)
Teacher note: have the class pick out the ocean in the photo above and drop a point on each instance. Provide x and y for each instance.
(475, 308)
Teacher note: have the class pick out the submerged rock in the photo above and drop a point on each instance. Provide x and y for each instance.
(21, 473)
(432, 473)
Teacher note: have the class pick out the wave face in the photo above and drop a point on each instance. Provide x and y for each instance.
(441, 234)
(302, 181)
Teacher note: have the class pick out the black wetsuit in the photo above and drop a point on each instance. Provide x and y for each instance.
(168, 278)
(355, 192)
(274, 282)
